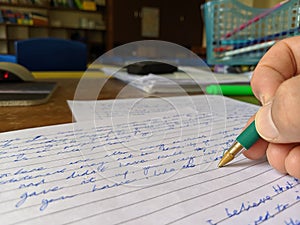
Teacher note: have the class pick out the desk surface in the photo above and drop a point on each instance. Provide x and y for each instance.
(56, 110)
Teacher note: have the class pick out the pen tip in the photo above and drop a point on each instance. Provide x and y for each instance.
(226, 159)
(221, 164)
(231, 153)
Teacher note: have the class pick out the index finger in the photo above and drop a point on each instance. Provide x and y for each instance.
(280, 63)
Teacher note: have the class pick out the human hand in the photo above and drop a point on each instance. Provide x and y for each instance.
(276, 83)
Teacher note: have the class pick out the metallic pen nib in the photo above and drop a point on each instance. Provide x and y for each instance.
(231, 153)
(225, 159)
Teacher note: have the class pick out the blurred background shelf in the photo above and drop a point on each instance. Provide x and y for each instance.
(22, 21)
(237, 34)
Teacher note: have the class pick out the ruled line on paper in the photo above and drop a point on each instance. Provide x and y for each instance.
(145, 142)
(188, 132)
(148, 187)
(165, 207)
(188, 199)
(226, 200)
(169, 175)
(107, 162)
(102, 109)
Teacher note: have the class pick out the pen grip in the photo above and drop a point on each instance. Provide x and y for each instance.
(249, 136)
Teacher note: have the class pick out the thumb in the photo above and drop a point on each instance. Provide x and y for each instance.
(278, 121)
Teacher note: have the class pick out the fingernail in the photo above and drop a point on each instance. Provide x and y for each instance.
(264, 123)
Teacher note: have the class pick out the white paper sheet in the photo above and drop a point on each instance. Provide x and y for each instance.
(89, 110)
(188, 79)
(158, 168)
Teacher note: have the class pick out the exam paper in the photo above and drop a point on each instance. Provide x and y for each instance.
(158, 168)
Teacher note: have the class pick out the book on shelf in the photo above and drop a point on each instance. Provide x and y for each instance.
(23, 18)
(9, 16)
(62, 3)
(78, 4)
(71, 4)
(1, 17)
(89, 5)
(66, 3)
(26, 2)
(39, 19)
(40, 2)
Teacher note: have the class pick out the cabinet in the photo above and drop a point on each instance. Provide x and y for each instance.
(60, 22)
(178, 21)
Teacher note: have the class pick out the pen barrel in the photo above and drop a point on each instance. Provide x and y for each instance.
(229, 89)
(249, 136)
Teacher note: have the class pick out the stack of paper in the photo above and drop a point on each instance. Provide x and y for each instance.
(188, 79)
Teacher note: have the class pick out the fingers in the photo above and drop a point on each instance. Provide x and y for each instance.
(285, 158)
(292, 164)
(276, 154)
(278, 121)
(276, 83)
(280, 63)
(258, 150)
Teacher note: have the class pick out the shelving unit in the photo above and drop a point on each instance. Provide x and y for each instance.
(62, 22)
(237, 34)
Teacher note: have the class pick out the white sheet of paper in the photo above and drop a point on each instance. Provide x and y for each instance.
(90, 110)
(189, 79)
(158, 168)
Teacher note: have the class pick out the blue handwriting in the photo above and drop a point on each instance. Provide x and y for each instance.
(27, 195)
(247, 206)
(45, 202)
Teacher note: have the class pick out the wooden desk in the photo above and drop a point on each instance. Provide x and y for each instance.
(56, 111)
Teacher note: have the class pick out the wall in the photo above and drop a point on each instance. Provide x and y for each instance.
(178, 22)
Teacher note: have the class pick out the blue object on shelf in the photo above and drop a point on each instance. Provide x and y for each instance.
(8, 58)
(231, 25)
(51, 54)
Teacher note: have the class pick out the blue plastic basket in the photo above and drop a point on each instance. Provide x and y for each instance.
(237, 34)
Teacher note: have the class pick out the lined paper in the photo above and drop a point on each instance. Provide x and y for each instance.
(158, 168)
(90, 110)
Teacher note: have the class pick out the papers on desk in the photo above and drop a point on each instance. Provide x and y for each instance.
(152, 168)
(189, 79)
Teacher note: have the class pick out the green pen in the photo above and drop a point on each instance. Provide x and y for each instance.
(243, 142)
(229, 89)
